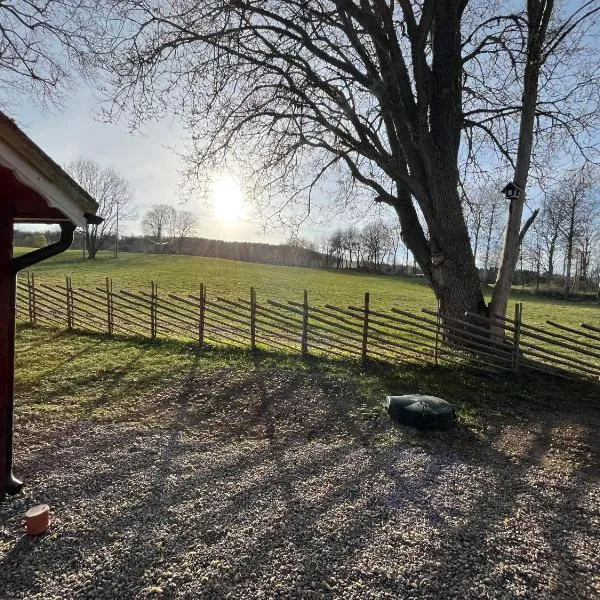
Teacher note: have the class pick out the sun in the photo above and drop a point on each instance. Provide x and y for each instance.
(227, 198)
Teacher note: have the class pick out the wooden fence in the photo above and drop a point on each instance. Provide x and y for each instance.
(361, 331)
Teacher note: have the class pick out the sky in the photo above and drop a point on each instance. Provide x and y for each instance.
(147, 159)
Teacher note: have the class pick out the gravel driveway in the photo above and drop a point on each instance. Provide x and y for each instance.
(262, 501)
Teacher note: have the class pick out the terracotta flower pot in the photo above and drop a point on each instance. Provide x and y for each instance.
(37, 519)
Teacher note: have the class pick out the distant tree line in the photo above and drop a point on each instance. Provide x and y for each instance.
(166, 228)
(563, 249)
(279, 254)
(560, 254)
(374, 247)
(377, 246)
(30, 239)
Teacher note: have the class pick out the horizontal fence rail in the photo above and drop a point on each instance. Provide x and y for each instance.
(359, 332)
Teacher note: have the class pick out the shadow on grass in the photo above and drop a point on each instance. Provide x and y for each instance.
(159, 378)
(276, 476)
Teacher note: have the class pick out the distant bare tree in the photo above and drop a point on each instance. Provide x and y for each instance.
(183, 225)
(532, 251)
(483, 214)
(395, 242)
(303, 250)
(589, 239)
(551, 218)
(113, 194)
(351, 245)
(474, 213)
(577, 207)
(493, 227)
(157, 225)
(336, 248)
(375, 241)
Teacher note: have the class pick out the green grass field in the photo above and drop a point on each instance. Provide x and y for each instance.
(183, 274)
(91, 376)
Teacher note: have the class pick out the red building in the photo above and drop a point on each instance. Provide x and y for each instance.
(33, 189)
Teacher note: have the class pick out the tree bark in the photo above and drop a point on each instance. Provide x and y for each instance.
(488, 246)
(551, 260)
(568, 260)
(91, 242)
(446, 258)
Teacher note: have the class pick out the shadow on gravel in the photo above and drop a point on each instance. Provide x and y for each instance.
(274, 482)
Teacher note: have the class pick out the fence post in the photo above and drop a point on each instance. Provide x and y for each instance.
(517, 336)
(69, 303)
(365, 338)
(437, 334)
(33, 299)
(305, 325)
(30, 299)
(109, 306)
(153, 311)
(253, 318)
(201, 315)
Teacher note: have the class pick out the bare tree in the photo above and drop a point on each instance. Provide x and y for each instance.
(395, 243)
(493, 228)
(475, 213)
(351, 244)
(483, 205)
(376, 244)
(325, 258)
(184, 225)
(113, 194)
(336, 248)
(383, 92)
(532, 252)
(589, 238)
(577, 208)
(551, 218)
(157, 225)
(595, 271)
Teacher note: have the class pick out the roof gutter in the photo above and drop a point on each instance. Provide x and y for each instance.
(31, 258)
(66, 239)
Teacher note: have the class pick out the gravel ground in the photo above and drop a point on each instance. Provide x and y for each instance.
(280, 497)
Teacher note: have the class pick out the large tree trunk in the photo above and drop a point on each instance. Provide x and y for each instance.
(453, 274)
(446, 258)
(457, 288)
(91, 242)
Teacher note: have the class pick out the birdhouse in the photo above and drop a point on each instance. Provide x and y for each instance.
(512, 191)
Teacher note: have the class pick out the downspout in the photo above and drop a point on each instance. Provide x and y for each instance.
(31, 258)
(12, 485)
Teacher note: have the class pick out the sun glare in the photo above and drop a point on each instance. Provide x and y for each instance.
(227, 198)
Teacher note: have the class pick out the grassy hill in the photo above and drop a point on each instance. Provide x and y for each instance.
(229, 278)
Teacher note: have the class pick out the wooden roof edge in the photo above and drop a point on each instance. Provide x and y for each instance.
(21, 143)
